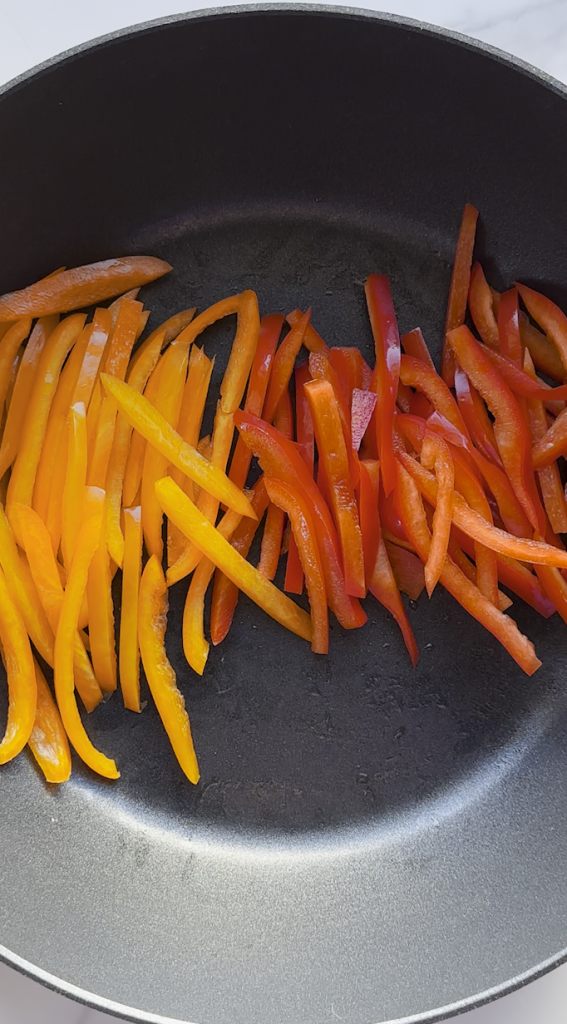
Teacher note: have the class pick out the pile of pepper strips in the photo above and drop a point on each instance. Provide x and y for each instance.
(389, 480)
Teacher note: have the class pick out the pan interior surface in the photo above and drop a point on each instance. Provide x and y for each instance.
(368, 842)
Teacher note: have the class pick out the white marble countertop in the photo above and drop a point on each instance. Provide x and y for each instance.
(33, 30)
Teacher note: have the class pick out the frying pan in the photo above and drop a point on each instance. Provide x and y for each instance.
(368, 843)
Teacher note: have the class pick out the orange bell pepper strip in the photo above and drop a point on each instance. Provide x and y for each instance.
(168, 404)
(305, 437)
(459, 288)
(98, 334)
(384, 588)
(410, 509)
(333, 453)
(8, 351)
(387, 345)
(48, 741)
(148, 422)
(195, 646)
(509, 327)
(482, 309)
(368, 498)
(549, 479)
(293, 504)
(272, 537)
(543, 352)
(81, 287)
(435, 454)
(22, 687)
(414, 345)
(75, 482)
(169, 330)
(101, 611)
(321, 369)
(225, 592)
(23, 591)
(181, 509)
(407, 569)
(138, 443)
(280, 458)
(549, 316)
(555, 587)
(87, 543)
(116, 305)
(137, 380)
(22, 390)
(47, 581)
(312, 340)
(129, 650)
(58, 345)
(152, 620)
(282, 367)
(270, 330)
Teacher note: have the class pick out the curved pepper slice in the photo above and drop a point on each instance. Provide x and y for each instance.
(435, 454)
(48, 741)
(282, 367)
(482, 309)
(129, 651)
(549, 316)
(312, 340)
(181, 509)
(148, 422)
(387, 345)
(81, 287)
(523, 384)
(22, 687)
(22, 390)
(542, 350)
(9, 350)
(23, 591)
(459, 288)
(418, 374)
(169, 330)
(384, 588)
(152, 621)
(290, 501)
(517, 578)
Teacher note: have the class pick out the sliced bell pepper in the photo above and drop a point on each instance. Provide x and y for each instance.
(552, 445)
(87, 543)
(8, 351)
(48, 741)
(275, 519)
(81, 287)
(523, 384)
(101, 614)
(270, 330)
(363, 404)
(509, 327)
(20, 672)
(282, 367)
(312, 340)
(435, 454)
(482, 309)
(407, 569)
(333, 454)
(384, 588)
(23, 592)
(75, 482)
(389, 519)
(549, 316)
(543, 352)
(414, 344)
(152, 621)
(387, 345)
(138, 443)
(473, 411)
(294, 505)
(98, 334)
(516, 577)
(168, 331)
(129, 650)
(459, 288)
(549, 479)
(305, 438)
(348, 365)
(418, 374)
(555, 587)
(368, 497)
(23, 388)
(321, 368)
(115, 306)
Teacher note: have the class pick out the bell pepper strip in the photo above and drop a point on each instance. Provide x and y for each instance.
(521, 383)
(435, 454)
(275, 519)
(101, 615)
(312, 340)
(87, 543)
(414, 345)
(304, 432)
(168, 404)
(334, 456)
(320, 368)
(543, 352)
(20, 672)
(75, 482)
(459, 287)
(148, 422)
(225, 592)
(23, 388)
(282, 367)
(363, 404)
(137, 380)
(404, 397)
(195, 647)
(551, 487)
(473, 411)
(47, 580)
(169, 330)
(516, 577)
(152, 622)
(387, 346)
(129, 650)
(293, 504)
(407, 569)
(270, 330)
(9, 347)
(410, 508)
(368, 496)
(23, 592)
(99, 332)
(384, 588)
(509, 327)
(418, 374)
(115, 306)
(552, 445)
(138, 443)
(181, 509)
(81, 287)
(549, 317)
(555, 587)
(482, 310)
(58, 345)
(48, 741)
(510, 430)
(348, 365)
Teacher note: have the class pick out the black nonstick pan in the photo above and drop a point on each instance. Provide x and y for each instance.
(368, 843)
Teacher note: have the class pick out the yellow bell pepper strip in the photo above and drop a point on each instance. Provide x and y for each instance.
(168, 404)
(312, 341)
(435, 454)
(384, 588)
(48, 741)
(195, 646)
(148, 422)
(129, 650)
(411, 511)
(99, 331)
(169, 330)
(549, 316)
(272, 537)
(481, 308)
(8, 350)
(23, 592)
(22, 687)
(87, 543)
(282, 367)
(47, 580)
(137, 380)
(181, 509)
(333, 453)
(75, 481)
(101, 615)
(290, 501)
(24, 470)
(459, 288)
(22, 390)
(549, 479)
(543, 352)
(387, 346)
(13, 376)
(152, 620)
(81, 287)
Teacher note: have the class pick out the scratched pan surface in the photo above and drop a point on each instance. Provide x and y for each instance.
(368, 843)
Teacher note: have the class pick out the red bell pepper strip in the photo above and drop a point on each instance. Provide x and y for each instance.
(542, 350)
(410, 508)
(523, 384)
(404, 397)
(368, 493)
(363, 404)
(275, 518)
(280, 458)
(293, 504)
(473, 411)
(407, 569)
(516, 577)
(387, 345)
(419, 375)
(555, 587)
(312, 341)
(389, 518)
(459, 288)
(333, 453)
(549, 479)
(510, 430)
(420, 405)
(348, 365)
(306, 439)
(282, 367)
(548, 315)
(384, 588)
(435, 454)
(270, 330)
(481, 308)
(509, 327)
(552, 444)
(414, 344)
